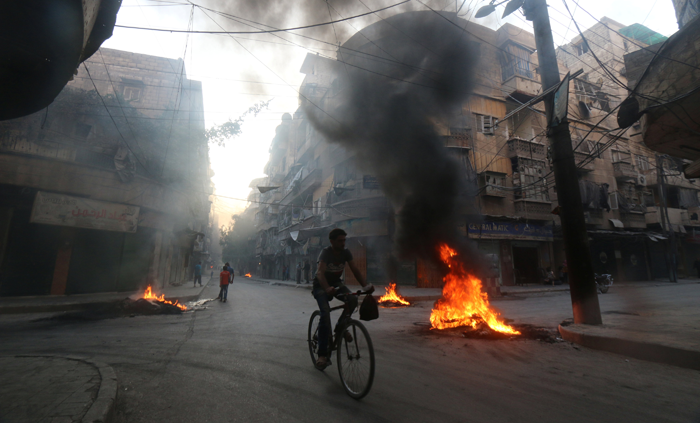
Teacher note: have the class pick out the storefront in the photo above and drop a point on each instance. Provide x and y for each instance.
(518, 252)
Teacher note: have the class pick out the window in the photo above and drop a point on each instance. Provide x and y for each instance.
(621, 157)
(528, 179)
(612, 200)
(494, 183)
(643, 163)
(581, 48)
(132, 93)
(515, 60)
(484, 124)
(585, 92)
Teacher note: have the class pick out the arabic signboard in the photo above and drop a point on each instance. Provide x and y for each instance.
(64, 210)
(508, 230)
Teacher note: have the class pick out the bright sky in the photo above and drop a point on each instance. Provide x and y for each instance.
(238, 71)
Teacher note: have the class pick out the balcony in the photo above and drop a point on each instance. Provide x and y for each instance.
(308, 180)
(521, 87)
(491, 190)
(525, 148)
(633, 220)
(534, 210)
(589, 164)
(624, 171)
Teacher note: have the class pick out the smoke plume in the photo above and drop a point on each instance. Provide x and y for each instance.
(384, 109)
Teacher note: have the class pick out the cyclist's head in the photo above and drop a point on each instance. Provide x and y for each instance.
(337, 237)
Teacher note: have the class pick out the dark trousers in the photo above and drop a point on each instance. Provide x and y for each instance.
(223, 292)
(197, 278)
(324, 325)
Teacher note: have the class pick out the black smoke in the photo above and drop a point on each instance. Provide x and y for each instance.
(402, 77)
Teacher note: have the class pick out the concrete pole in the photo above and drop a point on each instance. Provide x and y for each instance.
(584, 295)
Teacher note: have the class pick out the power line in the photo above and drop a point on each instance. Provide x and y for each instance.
(266, 31)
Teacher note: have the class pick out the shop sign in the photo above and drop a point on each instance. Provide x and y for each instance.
(508, 230)
(65, 210)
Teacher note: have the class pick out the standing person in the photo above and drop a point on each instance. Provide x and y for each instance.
(298, 275)
(230, 271)
(198, 274)
(223, 284)
(307, 270)
(696, 265)
(328, 284)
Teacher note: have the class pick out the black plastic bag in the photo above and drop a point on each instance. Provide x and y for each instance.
(369, 310)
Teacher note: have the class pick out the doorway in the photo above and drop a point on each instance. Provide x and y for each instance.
(525, 265)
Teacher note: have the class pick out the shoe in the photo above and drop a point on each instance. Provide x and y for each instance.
(322, 362)
(347, 336)
(224, 299)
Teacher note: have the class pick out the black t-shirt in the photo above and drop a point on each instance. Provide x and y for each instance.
(335, 264)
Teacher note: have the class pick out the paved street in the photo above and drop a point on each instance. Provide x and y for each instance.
(247, 361)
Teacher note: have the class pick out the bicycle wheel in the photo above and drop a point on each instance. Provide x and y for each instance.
(313, 335)
(355, 359)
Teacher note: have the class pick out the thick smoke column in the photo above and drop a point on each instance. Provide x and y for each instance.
(389, 121)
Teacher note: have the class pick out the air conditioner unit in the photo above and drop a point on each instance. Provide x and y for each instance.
(641, 180)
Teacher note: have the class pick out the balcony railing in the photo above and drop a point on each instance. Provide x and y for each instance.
(538, 210)
(521, 147)
(584, 162)
(624, 170)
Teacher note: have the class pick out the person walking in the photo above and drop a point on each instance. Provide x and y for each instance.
(223, 284)
(198, 274)
(284, 272)
(298, 273)
(230, 271)
(307, 270)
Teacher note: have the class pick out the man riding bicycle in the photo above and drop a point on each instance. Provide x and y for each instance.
(328, 284)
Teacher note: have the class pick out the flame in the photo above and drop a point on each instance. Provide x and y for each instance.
(247, 275)
(149, 295)
(463, 303)
(392, 296)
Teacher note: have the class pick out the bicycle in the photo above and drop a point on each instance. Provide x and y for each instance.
(355, 354)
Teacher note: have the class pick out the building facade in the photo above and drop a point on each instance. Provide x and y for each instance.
(108, 188)
(314, 185)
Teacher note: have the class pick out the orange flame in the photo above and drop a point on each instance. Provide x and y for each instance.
(463, 303)
(149, 295)
(392, 296)
(247, 275)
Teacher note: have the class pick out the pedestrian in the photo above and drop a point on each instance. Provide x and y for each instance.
(307, 270)
(696, 265)
(230, 271)
(198, 274)
(223, 284)
(284, 272)
(298, 273)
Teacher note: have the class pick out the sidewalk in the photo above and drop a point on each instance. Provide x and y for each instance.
(55, 303)
(56, 389)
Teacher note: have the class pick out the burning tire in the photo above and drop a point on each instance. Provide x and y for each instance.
(355, 358)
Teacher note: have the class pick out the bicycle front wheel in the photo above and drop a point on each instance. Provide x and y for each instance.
(313, 335)
(355, 359)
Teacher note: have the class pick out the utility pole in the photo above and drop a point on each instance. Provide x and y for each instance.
(584, 293)
(665, 221)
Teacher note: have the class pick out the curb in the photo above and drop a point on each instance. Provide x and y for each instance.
(102, 408)
(640, 350)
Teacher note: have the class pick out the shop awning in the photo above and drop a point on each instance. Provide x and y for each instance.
(617, 223)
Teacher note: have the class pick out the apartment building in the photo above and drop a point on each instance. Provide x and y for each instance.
(507, 161)
(108, 188)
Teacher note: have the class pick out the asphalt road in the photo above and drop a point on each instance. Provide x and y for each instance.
(247, 361)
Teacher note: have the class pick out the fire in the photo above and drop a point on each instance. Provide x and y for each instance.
(463, 303)
(392, 296)
(248, 275)
(149, 295)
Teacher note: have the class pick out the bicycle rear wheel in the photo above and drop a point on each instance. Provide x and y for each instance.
(313, 335)
(355, 359)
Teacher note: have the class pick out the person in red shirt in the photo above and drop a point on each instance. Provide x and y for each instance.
(223, 284)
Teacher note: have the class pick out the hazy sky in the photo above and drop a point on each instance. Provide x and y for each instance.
(240, 70)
